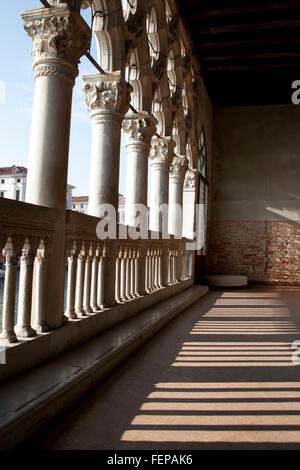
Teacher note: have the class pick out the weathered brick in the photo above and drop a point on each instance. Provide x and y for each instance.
(264, 251)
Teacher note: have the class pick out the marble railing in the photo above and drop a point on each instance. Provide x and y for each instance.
(26, 233)
(99, 273)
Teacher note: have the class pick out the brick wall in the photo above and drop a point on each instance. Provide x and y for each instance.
(264, 251)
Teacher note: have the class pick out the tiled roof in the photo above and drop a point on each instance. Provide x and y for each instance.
(80, 199)
(13, 170)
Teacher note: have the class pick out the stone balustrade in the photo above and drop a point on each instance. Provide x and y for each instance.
(140, 267)
(26, 233)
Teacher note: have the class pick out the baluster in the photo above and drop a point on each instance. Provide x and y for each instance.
(80, 282)
(150, 270)
(185, 264)
(87, 279)
(165, 263)
(12, 252)
(40, 324)
(118, 275)
(123, 275)
(173, 268)
(101, 271)
(160, 268)
(133, 274)
(23, 328)
(146, 272)
(94, 278)
(128, 274)
(169, 266)
(156, 269)
(71, 289)
(182, 266)
(138, 274)
(178, 266)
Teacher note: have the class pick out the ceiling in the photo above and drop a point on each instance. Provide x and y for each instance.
(248, 54)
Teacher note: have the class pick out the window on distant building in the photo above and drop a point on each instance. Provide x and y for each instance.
(18, 180)
(2, 194)
(74, 206)
(17, 195)
(2, 181)
(81, 206)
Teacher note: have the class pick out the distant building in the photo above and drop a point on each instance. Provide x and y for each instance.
(80, 204)
(13, 184)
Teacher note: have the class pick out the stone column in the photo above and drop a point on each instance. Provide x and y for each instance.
(107, 98)
(60, 37)
(161, 156)
(177, 173)
(139, 129)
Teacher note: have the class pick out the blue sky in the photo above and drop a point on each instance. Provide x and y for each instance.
(15, 111)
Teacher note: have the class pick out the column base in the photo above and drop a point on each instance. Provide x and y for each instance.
(41, 327)
(71, 314)
(10, 336)
(25, 331)
(88, 310)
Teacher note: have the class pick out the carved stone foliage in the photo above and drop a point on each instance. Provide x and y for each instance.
(107, 93)
(62, 35)
(162, 150)
(139, 127)
(12, 257)
(179, 166)
(189, 180)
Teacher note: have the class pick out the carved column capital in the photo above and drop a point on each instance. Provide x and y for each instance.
(107, 96)
(13, 250)
(179, 167)
(162, 151)
(139, 129)
(189, 180)
(60, 37)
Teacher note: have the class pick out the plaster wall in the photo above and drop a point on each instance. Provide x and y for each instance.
(255, 197)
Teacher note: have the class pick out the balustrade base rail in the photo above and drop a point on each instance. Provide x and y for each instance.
(123, 275)
(31, 351)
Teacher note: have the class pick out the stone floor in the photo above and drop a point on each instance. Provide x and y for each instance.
(219, 376)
